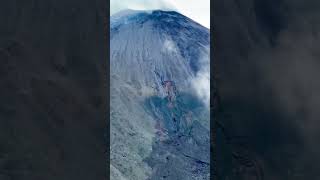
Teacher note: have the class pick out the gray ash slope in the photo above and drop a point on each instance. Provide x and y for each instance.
(159, 125)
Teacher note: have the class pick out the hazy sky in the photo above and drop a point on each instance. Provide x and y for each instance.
(198, 10)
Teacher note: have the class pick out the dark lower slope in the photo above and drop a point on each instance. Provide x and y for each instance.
(267, 65)
(180, 149)
(53, 90)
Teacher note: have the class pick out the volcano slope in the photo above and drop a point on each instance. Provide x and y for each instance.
(159, 123)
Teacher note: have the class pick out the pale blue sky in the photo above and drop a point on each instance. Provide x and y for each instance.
(198, 10)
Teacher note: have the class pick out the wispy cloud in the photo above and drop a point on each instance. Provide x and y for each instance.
(197, 10)
(116, 5)
(201, 82)
(169, 46)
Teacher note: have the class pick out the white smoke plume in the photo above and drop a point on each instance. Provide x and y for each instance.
(118, 5)
(201, 82)
(170, 46)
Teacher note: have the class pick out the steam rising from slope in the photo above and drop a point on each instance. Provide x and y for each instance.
(201, 83)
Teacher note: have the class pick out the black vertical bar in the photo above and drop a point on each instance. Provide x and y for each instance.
(107, 61)
(213, 98)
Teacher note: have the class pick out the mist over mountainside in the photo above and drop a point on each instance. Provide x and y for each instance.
(159, 118)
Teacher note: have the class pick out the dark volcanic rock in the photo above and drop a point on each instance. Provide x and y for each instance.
(180, 150)
(53, 90)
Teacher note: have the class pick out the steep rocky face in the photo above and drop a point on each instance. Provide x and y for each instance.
(159, 126)
(53, 92)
